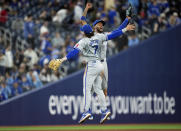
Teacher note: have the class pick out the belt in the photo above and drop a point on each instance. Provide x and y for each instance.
(92, 61)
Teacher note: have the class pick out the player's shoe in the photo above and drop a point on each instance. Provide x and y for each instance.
(85, 116)
(91, 117)
(108, 118)
(105, 115)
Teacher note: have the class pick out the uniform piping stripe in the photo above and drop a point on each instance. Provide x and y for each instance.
(85, 85)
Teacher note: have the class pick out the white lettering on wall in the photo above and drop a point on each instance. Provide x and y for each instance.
(150, 104)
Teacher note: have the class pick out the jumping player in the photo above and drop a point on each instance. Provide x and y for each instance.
(90, 45)
(98, 26)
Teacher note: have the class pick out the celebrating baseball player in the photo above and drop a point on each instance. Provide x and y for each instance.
(98, 26)
(90, 46)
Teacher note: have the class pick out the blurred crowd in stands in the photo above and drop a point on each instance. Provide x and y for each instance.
(50, 29)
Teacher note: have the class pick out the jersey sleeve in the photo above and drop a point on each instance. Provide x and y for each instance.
(80, 45)
(114, 34)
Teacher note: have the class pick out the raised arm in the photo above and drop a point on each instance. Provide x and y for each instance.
(83, 18)
(123, 25)
(118, 33)
(129, 13)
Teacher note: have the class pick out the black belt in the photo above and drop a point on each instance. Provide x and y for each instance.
(102, 60)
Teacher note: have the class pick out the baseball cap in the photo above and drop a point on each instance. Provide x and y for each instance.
(87, 29)
(97, 21)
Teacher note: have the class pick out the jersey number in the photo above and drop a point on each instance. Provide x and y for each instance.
(94, 44)
(95, 47)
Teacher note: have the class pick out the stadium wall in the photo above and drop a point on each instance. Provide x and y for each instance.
(144, 87)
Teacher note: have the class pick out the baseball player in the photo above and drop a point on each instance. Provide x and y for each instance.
(98, 28)
(90, 45)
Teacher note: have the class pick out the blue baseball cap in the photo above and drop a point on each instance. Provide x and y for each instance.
(97, 21)
(87, 29)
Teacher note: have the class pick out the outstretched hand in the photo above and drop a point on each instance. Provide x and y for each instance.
(130, 27)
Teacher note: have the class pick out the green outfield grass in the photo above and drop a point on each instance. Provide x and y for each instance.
(94, 127)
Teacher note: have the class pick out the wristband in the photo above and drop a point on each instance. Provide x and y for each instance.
(83, 18)
(124, 30)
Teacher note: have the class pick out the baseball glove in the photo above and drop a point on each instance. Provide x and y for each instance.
(55, 64)
(131, 13)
